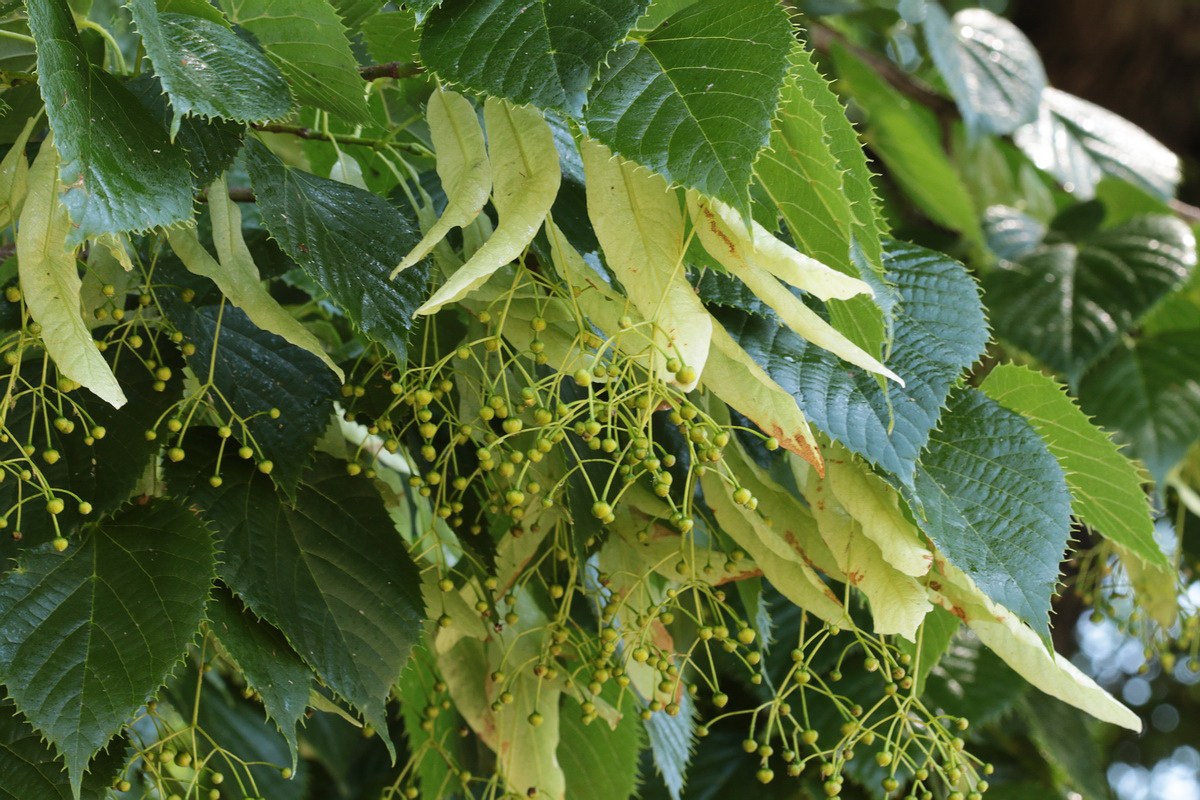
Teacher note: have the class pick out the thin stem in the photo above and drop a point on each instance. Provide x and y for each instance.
(20, 37)
(305, 132)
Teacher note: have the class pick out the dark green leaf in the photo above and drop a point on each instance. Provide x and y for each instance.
(208, 70)
(32, 771)
(1068, 304)
(991, 68)
(103, 473)
(255, 371)
(90, 634)
(329, 570)
(307, 41)
(269, 664)
(693, 100)
(545, 53)
(120, 171)
(1064, 737)
(940, 330)
(1079, 143)
(600, 763)
(907, 139)
(421, 7)
(1011, 233)
(209, 145)
(1106, 490)
(936, 633)
(348, 241)
(995, 502)
(417, 693)
(1149, 392)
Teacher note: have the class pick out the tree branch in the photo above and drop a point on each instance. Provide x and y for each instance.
(305, 132)
(392, 69)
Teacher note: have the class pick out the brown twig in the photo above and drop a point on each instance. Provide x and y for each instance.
(238, 194)
(305, 132)
(392, 69)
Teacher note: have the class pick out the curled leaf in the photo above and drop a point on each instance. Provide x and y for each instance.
(526, 173)
(462, 166)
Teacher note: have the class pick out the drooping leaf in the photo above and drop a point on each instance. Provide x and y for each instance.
(524, 166)
(939, 331)
(1106, 491)
(1149, 391)
(256, 371)
(209, 145)
(693, 100)
(92, 633)
(119, 172)
(50, 282)
(600, 763)
(329, 571)
(1068, 304)
(32, 770)
(462, 166)
(1079, 143)
(236, 275)
(995, 502)
(307, 41)
(907, 139)
(545, 53)
(270, 665)
(815, 173)
(1022, 649)
(208, 70)
(992, 69)
(104, 473)
(639, 224)
(348, 241)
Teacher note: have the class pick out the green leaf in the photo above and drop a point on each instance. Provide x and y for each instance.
(209, 145)
(269, 664)
(1011, 233)
(91, 634)
(939, 331)
(1068, 304)
(1149, 391)
(346, 239)
(32, 771)
(693, 100)
(970, 680)
(932, 643)
(990, 66)
(1106, 491)
(809, 185)
(995, 502)
(524, 166)
(119, 171)
(391, 36)
(1079, 143)
(417, 692)
(236, 274)
(329, 570)
(50, 282)
(356, 12)
(600, 763)
(907, 139)
(307, 41)
(255, 371)
(208, 70)
(545, 53)
(422, 7)
(104, 473)
(1065, 739)
(14, 177)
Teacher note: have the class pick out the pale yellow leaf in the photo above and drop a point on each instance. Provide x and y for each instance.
(898, 602)
(640, 227)
(526, 174)
(14, 176)
(462, 166)
(734, 376)
(743, 250)
(236, 275)
(875, 506)
(51, 285)
(1022, 649)
(1156, 587)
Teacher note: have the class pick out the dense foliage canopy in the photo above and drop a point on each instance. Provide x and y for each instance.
(496, 398)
